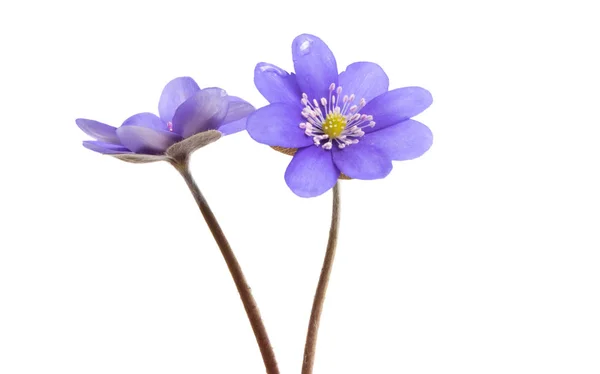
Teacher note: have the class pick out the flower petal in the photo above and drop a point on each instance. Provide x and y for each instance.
(238, 109)
(148, 120)
(276, 84)
(403, 141)
(174, 94)
(146, 140)
(364, 79)
(187, 146)
(278, 125)
(311, 172)
(235, 120)
(362, 161)
(315, 66)
(105, 148)
(203, 111)
(98, 130)
(396, 106)
(233, 127)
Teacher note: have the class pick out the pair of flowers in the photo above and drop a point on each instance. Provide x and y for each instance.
(336, 126)
(346, 125)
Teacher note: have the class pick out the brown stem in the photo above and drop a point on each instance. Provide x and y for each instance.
(315, 315)
(243, 288)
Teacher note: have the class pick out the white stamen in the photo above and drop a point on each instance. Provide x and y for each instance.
(317, 111)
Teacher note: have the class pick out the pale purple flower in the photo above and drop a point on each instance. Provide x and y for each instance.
(184, 111)
(341, 124)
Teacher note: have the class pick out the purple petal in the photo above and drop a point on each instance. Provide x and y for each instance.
(203, 111)
(276, 84)
(311, 172)
(233, 127)
(278, 125)
(396, 106)
(148, 120)
(366, 80)
(146, 140)
(362, 161)
(315, 66)
(105, 148)
(174, 94)
(403, 141)
(235, 120)
(98, 130)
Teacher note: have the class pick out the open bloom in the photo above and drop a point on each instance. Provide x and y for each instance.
(347, 123)
(184, 111)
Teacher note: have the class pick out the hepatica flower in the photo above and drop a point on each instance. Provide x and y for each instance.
(189, 118)
(345, 124)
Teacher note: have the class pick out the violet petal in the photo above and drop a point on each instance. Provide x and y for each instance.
(396, 106)
(205, 110)
(105, 148)
(235, 120)
(362, 161)
(403, 141)
(315, 66)
(98, 130)
(278, 125)
(148, 120)
(146, 140)
(233, 127)
(311, 172)
(276, 85)
(174, 94)
(364, 79)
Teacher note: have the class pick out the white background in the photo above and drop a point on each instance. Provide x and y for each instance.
(480, 257)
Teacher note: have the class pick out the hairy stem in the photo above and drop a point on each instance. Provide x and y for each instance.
(315, 315)
(243, 288)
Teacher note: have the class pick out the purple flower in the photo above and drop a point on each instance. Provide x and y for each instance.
(188, 119)
(345, 124)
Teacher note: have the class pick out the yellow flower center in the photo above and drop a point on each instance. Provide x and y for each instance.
(335, 120)
(334, 124)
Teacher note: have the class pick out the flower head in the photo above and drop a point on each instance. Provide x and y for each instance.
(188, 118)
(345, 124)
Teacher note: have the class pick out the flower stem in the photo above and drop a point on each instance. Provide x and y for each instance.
(315, 315)
(243, 288)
